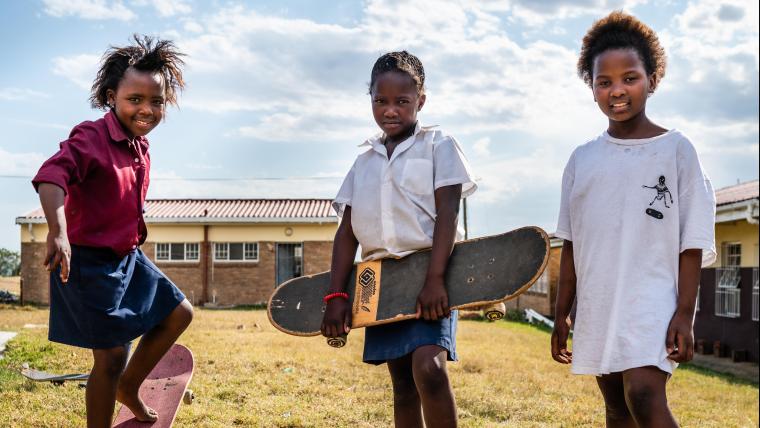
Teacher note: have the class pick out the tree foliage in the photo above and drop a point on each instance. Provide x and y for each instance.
(10, 262)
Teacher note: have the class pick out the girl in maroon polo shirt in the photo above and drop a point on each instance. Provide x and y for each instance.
(104, 292)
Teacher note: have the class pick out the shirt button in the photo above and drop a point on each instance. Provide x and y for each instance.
(137, 160)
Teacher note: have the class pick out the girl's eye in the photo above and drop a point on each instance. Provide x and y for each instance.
(602, 83)
(158, 102)
(134, 100)
(378, 101)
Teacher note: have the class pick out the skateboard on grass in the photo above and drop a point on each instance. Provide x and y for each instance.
(55, 379)
(163, 390)
(481, 273)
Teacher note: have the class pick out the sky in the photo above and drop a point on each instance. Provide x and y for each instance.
(276, 101)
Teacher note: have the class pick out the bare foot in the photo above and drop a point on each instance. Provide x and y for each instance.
(130, 398)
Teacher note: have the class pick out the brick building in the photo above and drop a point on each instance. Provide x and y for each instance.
(224, 251)
(726, 321)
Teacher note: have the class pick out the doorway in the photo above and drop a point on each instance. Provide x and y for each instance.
(289, 262)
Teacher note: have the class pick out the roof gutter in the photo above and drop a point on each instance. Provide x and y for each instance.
(213, 220)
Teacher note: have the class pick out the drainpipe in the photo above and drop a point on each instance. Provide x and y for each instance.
(750, 209)
(206, 251)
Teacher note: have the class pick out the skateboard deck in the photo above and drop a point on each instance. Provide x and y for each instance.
(481, 272)
(163, 389)
(56, 379)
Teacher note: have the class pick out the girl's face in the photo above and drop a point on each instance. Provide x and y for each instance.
(621, 84)
(395, 103)
(138, 101)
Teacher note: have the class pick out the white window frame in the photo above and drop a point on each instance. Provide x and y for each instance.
(699, 290)
(541, 286)
(755, 292)
(727, 281)
(222, 252)
(163, 252)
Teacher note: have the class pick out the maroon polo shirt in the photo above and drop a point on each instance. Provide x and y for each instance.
(105, 177)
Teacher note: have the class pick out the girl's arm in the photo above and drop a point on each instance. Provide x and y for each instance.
(433, 300)
(58, 249)
(337, 318)
(563, 304)
(680, 338)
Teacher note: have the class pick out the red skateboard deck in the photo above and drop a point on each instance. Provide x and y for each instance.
(163, 389)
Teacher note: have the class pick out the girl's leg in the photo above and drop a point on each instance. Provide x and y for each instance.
(646, 398)
(406, 401)
(153, 345)
(432, 380)
(101, 386)
(615, 407)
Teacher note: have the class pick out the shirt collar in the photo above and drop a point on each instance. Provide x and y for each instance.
(376, 141)
(116, 131)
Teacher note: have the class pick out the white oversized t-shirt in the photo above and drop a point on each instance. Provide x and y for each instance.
(392, 200)
(630, 207)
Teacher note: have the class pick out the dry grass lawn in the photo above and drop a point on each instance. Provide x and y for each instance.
(249, 374)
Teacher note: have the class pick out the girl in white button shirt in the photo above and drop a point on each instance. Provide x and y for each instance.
(400, 196)
(637, 216)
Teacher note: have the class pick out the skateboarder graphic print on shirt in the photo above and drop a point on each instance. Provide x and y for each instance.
(663, 194)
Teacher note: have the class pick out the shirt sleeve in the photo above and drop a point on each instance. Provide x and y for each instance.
(68, 166)
(346, 193)
(564, 228)
(450, 167)
(696, 205)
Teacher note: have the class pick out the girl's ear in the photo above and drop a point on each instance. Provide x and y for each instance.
(421, 102)
(110, 97)
(652, 83)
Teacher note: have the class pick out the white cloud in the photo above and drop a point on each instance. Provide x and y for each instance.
(481, 147)
(20, 94)
(89, 9)
(166, 8)
(80, 69)
(22, 164)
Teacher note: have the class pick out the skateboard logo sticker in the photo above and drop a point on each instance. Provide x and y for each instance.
(366, 293)
(662, 190)
(367, 281)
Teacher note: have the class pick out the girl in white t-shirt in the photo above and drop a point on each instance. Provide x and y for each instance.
(637, 216)
(400, 196)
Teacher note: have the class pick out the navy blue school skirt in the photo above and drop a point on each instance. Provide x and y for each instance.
(109, 300)
(390, 341)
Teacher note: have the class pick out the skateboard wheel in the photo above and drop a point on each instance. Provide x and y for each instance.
(188, 396)
(337, 342)
(494, 315)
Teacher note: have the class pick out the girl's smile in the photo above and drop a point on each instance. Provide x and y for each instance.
(621, 87)
(138, 101)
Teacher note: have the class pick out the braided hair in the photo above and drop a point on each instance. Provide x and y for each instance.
(401, 62)
(146, 54)
(618, 30)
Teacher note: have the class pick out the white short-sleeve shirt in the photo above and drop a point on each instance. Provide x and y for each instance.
(392, 200)
(630, 207)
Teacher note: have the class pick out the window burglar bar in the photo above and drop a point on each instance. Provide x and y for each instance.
(754, 294)
(727, 293)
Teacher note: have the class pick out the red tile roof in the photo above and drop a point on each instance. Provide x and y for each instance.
(737, 193)
(238, 210)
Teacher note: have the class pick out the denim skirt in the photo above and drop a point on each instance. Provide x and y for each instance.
(394, 340)
(108, 300)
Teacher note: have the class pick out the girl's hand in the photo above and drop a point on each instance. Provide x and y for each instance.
(337, 319)
(58, 252)
(679, 342)
(561, 331)
(433, 300)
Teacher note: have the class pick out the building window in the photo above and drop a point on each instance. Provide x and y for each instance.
(727, 293)
(177, 251)
(541, 285)
(754, 294)
(236, 251)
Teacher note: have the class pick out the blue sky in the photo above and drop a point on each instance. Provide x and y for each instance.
(277, 89)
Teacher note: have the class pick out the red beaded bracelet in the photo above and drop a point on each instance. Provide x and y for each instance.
(334, 295)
